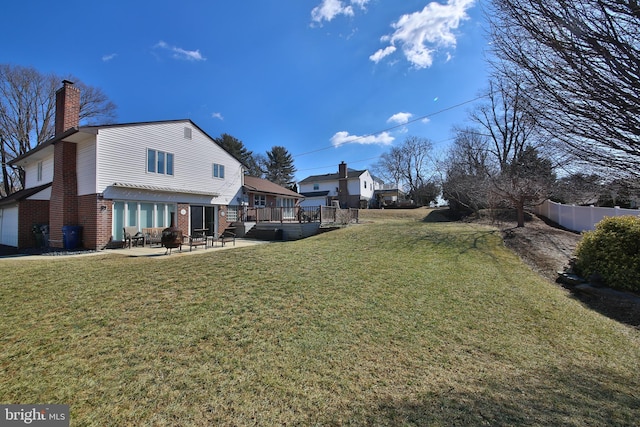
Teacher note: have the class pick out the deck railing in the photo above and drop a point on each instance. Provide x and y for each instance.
(321, 214)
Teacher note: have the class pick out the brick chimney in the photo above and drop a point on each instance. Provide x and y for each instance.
(343, 185)
(342, 170)
(63, 206)
(67, 107)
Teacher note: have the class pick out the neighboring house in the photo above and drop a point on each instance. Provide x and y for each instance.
(103, 178)
(389, 195)
(272, 212)
(260, 194)
(351, 188)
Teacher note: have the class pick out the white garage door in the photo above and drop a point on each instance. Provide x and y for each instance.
(9, 226)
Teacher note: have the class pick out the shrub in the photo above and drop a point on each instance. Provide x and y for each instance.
(612, 250)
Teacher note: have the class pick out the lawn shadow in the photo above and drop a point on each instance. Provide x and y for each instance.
(463, 241)
(623, 307)
(583, 396)
(439, 215)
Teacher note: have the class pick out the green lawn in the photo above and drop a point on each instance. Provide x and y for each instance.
(396, 321)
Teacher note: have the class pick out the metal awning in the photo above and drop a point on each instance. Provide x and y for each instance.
(163, 189)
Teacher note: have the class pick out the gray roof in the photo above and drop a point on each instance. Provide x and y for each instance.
(351, 173)
(23, 194)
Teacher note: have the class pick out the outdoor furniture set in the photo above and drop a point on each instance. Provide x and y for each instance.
(153, 236)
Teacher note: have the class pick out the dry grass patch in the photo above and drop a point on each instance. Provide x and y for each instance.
(396, 321)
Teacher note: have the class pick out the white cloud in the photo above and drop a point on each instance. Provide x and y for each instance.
(217, 116)
(343, 137)
(381, 53)
(179, 53)
(421, 34)
(400, 118)
(109, 57)
(329, 9)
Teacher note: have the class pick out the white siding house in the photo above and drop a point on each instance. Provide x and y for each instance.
(353, 188)
(140, 174)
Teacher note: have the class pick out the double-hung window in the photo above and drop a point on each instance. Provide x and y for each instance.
(159, 162)
(259, 200)
(218, 171)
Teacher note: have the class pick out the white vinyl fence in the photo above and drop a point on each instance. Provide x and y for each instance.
(579, 218)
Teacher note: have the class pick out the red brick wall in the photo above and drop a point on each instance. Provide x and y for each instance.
(63, 208)
(95, 216)
(223, 223)
(31, 212)
(67, 107)
(182, 221)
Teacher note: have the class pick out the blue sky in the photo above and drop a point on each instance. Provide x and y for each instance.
(330, 80)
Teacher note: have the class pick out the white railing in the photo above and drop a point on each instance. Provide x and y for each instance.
(579, 218)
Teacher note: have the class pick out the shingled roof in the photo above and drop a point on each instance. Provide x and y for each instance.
(258, 185)
(351, 173)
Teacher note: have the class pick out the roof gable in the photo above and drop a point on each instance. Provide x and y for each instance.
(93, 129)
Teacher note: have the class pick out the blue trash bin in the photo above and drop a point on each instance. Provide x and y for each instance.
(71, 236)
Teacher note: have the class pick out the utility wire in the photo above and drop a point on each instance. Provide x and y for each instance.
(393, 127)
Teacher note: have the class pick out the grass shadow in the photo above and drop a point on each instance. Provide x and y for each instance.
(439, 215)
(462, 241)
(573, 397)
(624, 308)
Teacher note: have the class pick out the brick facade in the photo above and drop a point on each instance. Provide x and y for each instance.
(64, 189)
(63, 208)
(223, 222)
(182, 221)
(31, 212)
(67, 107)
(95, 216)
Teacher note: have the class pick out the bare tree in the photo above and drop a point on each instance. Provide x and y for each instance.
(411, 165)
(27, 114)
(466, 172)
(580, 62)
(577, 189)
(501, 161)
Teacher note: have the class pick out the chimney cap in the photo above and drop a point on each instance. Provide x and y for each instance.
(67, 82)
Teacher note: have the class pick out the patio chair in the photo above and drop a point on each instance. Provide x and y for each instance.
(132, 237)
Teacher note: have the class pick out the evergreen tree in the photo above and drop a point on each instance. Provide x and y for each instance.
(236, 148)
(279, 167)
